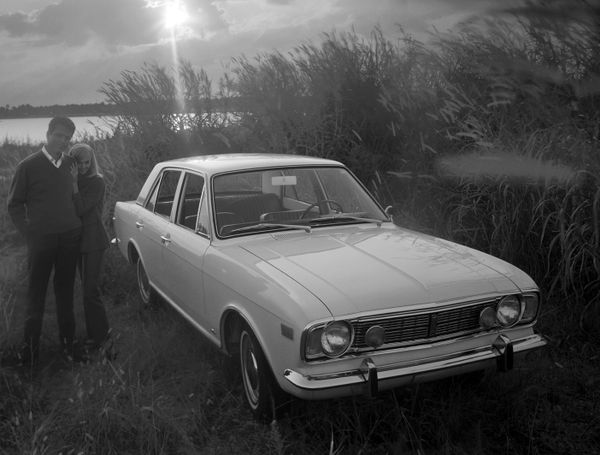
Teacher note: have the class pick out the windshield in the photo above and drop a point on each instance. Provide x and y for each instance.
(276, 199)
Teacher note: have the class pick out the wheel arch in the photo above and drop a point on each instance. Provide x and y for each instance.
(232, 322)
(133, 252)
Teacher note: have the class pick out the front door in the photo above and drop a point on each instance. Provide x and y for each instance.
(184, 255)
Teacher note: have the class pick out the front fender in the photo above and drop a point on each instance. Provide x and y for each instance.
(280, 341)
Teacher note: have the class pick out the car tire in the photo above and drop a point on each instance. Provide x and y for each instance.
(261, 392)
(147, 293)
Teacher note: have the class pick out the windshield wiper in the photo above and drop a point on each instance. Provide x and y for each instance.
(269, 225)
(346, 217)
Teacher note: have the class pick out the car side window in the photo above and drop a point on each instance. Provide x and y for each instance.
(163, 202)
(189, 202)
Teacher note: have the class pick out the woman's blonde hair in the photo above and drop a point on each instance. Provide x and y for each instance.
(76, 151)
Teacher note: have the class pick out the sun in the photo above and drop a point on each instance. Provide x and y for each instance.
(175, 14)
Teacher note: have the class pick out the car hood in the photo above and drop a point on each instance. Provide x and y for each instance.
(367, 268)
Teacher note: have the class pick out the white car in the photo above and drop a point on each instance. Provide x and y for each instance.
(288, 263)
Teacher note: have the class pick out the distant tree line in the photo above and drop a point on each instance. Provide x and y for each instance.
(90, 109)
(74, 110)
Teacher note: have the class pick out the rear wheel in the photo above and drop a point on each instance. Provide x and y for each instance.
(262, 393)
(147, 293)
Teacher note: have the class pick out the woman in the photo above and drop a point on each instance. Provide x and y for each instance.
(88, 195)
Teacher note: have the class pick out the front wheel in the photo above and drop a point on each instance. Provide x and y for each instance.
(260, 389)
(147, 293)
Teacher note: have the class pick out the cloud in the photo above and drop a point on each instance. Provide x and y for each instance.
(16, 24)
(114, 22)
(306, 19)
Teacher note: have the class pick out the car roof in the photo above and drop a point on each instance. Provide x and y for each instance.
(214, 164)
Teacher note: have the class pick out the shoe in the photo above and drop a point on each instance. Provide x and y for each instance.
(18, 358)
(29, 356)
(90, 345)
(74, 353)
(10, 358)
(108, 349)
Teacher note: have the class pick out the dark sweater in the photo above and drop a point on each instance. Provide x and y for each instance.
(88, 203)
(40, 199)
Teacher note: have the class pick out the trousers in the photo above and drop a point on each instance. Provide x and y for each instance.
(90, 270)
(58, 252)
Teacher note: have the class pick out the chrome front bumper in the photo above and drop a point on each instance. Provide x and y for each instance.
(369, 379)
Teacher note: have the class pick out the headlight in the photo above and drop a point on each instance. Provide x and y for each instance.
(508, 311)
(531, 304)
(336, 338)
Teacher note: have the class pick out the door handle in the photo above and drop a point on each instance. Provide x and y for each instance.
(166, 239)
(139, 224)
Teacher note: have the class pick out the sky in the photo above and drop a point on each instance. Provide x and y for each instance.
(62, 51)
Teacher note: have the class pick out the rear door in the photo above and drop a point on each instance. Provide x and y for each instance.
(153, 225)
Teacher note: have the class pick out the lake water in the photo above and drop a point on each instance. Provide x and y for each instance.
(33, 130)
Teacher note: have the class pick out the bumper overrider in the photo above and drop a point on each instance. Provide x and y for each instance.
(369, 378)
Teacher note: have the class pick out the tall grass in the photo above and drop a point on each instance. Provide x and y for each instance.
(515, 91)
(169, 111)
(323, 100)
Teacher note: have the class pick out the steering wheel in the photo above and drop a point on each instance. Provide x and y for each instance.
(314, 204)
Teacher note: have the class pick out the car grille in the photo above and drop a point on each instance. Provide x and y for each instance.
(420, 328)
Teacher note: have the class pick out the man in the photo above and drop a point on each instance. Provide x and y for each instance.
(40, 204)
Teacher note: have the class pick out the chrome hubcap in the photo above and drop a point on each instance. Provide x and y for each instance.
(143, 283)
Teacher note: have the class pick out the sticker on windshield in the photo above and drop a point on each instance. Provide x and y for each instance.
(283, 180)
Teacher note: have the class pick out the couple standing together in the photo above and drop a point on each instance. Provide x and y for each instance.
(55, 201)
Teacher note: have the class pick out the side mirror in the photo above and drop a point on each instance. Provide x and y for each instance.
(388, 212)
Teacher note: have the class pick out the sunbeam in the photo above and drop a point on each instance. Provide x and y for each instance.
(175, 18)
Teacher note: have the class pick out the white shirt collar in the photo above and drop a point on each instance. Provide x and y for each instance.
(56, 163)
